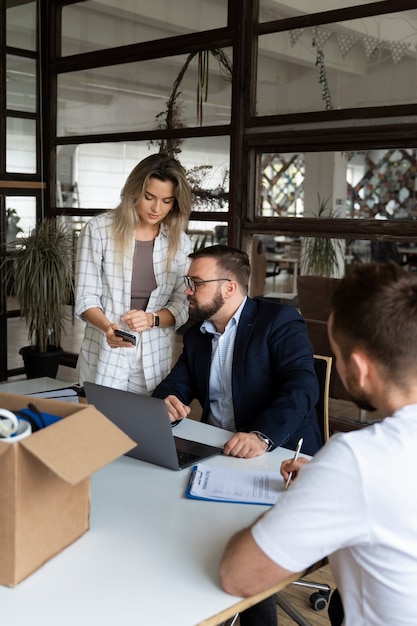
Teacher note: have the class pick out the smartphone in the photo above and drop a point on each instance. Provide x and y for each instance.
(125, 336)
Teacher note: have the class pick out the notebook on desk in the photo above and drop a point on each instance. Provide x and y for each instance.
(145, 420)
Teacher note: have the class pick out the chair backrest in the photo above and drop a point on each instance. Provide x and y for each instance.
(317, 331)
(314, 295)
(323, 367)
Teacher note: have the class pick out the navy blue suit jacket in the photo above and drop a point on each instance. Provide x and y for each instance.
(274, 385)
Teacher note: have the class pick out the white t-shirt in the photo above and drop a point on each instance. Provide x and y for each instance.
(356, 503)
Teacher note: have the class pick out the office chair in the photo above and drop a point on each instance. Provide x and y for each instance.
(320, 598)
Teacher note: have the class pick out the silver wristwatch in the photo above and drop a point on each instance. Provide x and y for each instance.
(265, 439)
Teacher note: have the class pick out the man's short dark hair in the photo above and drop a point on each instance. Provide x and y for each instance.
(374, 307)
(232, 261)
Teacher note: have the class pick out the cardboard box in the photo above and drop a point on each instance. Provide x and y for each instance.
(45, 482)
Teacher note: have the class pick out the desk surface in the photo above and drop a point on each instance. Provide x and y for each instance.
(151, 555)
(33, 385)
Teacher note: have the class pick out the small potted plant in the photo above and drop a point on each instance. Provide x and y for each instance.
(321, 256)
(43, 273)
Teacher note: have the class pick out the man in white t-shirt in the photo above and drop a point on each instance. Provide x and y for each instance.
(355, 502)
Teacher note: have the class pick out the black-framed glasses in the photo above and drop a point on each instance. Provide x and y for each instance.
(193, 284)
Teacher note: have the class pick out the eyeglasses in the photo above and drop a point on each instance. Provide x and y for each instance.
(193, 284)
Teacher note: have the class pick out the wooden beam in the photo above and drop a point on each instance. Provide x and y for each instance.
(20, 184)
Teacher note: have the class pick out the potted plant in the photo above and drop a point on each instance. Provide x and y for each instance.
(321, 256)
(43, 272)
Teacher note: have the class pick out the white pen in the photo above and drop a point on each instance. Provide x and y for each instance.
(296, 453)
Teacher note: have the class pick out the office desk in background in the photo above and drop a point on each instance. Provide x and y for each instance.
(151, 555)
(292, 263)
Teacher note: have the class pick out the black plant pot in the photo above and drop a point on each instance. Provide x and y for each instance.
(39, 364)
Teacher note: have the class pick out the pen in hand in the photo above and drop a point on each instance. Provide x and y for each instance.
(296, 453)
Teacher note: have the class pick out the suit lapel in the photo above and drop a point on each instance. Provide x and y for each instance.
(202, 365)
(243, 335)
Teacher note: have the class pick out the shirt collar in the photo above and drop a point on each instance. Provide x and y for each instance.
(163, 230)
(208, 327)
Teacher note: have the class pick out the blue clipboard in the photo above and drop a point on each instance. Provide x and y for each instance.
(234, 486)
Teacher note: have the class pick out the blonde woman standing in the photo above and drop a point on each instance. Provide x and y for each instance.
(129, 275)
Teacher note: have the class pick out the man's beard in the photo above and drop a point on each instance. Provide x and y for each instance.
(205, 312)
(357, 395)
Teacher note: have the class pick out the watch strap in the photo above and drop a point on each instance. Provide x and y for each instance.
(270, 444)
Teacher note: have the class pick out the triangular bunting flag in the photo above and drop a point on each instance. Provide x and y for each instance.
(320, 37)
(345, 42)
(295, 35)
(398, 50)
(371, 45)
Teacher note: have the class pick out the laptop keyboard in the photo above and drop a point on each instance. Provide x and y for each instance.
(186, 457)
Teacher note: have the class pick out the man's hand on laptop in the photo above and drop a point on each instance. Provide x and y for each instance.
(176, 409)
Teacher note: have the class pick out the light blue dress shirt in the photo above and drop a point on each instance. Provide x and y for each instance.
(220, 383)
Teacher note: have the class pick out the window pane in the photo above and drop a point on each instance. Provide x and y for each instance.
(92, 175)
(277, 260)
(275, 265)
(20, 145)
(270, 10)
(20, 215)
(21, 83)
(134, 96)
(96, 25)
(20, 220)
(378, 184)
(21, 25)
(382, 184)
(353, 64)
(207, 233)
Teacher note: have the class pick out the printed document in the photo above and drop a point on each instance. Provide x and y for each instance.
(230, 485)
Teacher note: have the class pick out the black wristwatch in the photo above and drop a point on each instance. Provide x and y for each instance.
(265, 439)
(155, 320)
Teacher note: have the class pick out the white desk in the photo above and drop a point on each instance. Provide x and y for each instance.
(33, 385)
(151, 555)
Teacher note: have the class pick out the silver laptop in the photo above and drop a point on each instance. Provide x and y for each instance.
(145, 420)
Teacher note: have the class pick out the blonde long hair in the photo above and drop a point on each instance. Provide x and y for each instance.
(125, 216)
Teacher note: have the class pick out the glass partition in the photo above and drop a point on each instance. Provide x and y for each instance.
(277, 260)
(21, 24)
(380, 184)
(20, 221)
(20, 145)
(135, 96)
(91, 176)
(101, 24)
(21, 83)
(207, 233)
(270, 10)
(374, 184)
(353, 64)
(20, 216)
